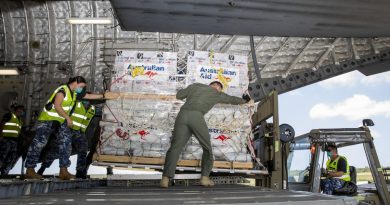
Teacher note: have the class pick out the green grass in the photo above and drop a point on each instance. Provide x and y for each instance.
(364, 176)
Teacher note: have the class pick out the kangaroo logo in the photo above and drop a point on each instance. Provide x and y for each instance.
(222, 138)
(150, 74)
(142, 133)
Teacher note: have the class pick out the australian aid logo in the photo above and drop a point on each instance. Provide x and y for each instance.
(147, 71)
(229, 77)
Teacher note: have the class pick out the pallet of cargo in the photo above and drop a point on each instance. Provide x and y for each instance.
(145, 96)
(160, 161)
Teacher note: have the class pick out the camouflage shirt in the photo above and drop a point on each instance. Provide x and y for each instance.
(200, 97)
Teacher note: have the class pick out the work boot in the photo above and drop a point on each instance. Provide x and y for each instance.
(206, 181)
(65, 175)
(81, 175)
(164, 182)
(31, 174)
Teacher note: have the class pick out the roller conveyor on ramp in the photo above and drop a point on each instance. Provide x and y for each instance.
(220, 194)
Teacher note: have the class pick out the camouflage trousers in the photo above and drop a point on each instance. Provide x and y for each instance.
(8, 154)
(79, 142)
(43, 131)
(330, 184)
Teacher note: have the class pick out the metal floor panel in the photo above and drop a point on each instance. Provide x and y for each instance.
(370, 187)
(226, 194)
(15, 188)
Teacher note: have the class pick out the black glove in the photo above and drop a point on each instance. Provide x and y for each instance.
(246, 97)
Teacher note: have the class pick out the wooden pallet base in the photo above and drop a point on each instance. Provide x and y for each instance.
(160, 161)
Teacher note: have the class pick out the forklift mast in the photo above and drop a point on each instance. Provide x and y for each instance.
(342, 137)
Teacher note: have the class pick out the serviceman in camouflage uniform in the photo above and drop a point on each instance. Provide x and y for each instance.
(10, 128)
(82, 116)
(200, 99)
(56, 113)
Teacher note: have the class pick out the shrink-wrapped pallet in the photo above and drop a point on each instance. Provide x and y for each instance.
(141, 127)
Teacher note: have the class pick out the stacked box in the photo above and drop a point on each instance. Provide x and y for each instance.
(230, 70)
(145, 72)
(143, 127)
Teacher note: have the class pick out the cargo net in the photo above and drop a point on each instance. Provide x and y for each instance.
(136, 126)
(143, 128)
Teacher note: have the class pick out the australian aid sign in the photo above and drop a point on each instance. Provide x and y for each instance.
(227, 76)
(147, 71)
(144, 65)
(207, 66)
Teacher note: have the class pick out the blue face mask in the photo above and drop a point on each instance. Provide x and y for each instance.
(22, 114)
(329, 154)
(79, 90)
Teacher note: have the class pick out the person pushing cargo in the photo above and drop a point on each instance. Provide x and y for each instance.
(56, 115)
(81, 117)
(200, 99)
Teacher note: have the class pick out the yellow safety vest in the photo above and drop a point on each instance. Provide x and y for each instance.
(81, 118)
(13, 127)
(67, 104)
(332, 166)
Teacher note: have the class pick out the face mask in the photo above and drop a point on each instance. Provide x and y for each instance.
(79, 90)
(329, 154)
(21, 114)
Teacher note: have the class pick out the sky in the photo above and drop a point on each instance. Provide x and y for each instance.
(342, 102)
(339, 102)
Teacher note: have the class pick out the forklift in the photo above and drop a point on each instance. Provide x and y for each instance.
(276, 147)
(314, 144)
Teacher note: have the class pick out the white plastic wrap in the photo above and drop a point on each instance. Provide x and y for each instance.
(144, 72)
(207, 66)
(143, 127)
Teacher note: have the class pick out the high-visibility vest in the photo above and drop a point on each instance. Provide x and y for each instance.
(332, 166)
(67, 104)
(81, 118)
(13, 127)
